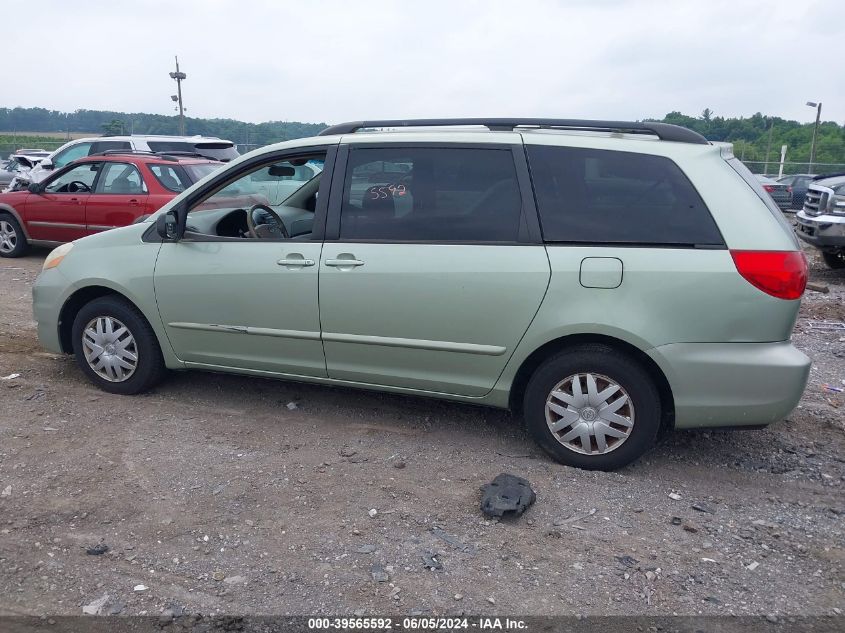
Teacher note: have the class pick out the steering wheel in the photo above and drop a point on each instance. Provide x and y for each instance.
(265, 230)
(77, 186)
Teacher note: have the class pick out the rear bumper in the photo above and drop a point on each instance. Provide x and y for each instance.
(732, 384)
(821, 230)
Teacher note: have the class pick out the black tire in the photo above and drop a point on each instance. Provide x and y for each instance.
(623, 370)
(21, 245)
(834, 259)
(150, 367)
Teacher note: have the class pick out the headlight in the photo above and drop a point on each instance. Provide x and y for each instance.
(837, 205)
(56, 256)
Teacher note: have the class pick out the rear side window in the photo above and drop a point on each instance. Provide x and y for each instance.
(431, 194)
(171, 178)
(602, 196)
(105, 146)
(121, 179)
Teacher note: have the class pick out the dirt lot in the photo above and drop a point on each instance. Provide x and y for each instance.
(218, 498)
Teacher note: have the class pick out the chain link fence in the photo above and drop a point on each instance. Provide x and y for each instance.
(6, 149)
(772, 169)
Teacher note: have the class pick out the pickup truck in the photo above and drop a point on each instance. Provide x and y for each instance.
(821, 222)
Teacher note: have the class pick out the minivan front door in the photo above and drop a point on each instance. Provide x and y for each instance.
(242, 295)
(247, 304)
(432, 276)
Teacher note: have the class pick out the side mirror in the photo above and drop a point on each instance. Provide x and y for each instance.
(46, 164)
(167, 226)
(34, 187)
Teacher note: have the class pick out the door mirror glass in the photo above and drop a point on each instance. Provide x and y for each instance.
(46, 164)
(34, 187)
(167, 226)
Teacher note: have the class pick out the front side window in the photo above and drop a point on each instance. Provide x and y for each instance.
(431, 194)
(604, 196)
(79, 179)
(70, 154)
(121, 178)
(268, 202)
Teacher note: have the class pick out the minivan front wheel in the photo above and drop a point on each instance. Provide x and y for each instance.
(116, 347)
(592, 407)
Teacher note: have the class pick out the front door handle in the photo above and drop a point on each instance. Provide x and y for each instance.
(295, 259)
(133, 203)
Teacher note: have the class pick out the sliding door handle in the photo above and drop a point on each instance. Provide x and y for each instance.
(342, 263)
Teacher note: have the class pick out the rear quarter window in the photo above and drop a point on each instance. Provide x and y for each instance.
(603, 196)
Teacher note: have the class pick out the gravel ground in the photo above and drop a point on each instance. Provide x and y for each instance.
(216, 496)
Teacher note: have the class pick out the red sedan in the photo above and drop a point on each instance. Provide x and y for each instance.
(94, 194)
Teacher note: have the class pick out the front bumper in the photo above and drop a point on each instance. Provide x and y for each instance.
(821, 231)
(732, 384)
(48, 295)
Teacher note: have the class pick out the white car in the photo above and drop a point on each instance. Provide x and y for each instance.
(207, 146)
(18, 165)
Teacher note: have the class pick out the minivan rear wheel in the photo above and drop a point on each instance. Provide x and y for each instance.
(592, 407)
(116, 347)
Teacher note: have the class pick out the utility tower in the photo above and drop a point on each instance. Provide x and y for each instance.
(179, 77)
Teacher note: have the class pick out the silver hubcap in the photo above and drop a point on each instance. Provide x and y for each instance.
(110, 349)
(8, 237)
(590, 414)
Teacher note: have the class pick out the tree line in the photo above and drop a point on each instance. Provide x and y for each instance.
(755, 138)
(759, 138)
(56, 123)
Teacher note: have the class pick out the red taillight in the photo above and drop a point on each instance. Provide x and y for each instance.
(782, 274)
(769, 188)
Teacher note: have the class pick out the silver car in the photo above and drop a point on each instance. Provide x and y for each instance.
(780, 192)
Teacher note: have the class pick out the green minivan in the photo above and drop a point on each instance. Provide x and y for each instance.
(608, 280)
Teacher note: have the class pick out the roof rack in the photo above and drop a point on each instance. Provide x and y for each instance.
(122, 152)
(169, 156)
(663, 131)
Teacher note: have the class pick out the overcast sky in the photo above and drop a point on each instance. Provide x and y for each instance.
(315, 61)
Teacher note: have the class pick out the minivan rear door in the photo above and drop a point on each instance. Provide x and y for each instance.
(432, 268)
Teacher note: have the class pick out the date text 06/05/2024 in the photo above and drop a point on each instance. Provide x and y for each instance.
(418, 624)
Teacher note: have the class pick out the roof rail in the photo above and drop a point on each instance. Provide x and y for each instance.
(664, 131)
(826, 176)
(183, 154)
(112, 152)
(169, 156)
